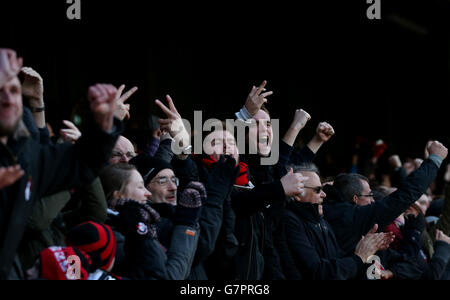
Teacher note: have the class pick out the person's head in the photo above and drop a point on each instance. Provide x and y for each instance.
(313, 187)
(97, 240)
(164, 187)
(10, 107)
(221, 142)
(122, 152)
(355, 188)
(262, 133)
(123, 181)
(159, 179)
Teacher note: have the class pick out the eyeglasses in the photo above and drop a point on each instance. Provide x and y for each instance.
(164, 180)
(368, 196)
(317, 189)
(129, 155)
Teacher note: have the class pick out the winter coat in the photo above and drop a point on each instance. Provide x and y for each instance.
(313, 245)
(350, 221)
(48, 170)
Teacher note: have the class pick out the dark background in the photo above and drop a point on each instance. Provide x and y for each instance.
(382, 79)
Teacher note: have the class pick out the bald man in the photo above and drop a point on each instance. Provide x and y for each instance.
(123, 151)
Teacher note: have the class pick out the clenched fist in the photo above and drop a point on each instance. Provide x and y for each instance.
(438, 149)
(102, 98)
(324, 131)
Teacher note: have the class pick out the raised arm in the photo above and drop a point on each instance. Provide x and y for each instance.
(385, 211)
(323, 134)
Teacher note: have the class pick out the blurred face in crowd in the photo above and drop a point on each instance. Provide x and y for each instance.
(10, 107)
(313, 190)
(366, 196)
(164, 187)
(122, 152)
(262, 133)
(135, 188)
(221, 142)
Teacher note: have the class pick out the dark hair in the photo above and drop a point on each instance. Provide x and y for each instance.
(115, 178)
(349, 185)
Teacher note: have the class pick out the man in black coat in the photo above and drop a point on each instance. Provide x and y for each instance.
(312, 242)
(350, 221)
(35, 171)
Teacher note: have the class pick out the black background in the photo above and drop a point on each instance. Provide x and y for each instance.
(382, 79)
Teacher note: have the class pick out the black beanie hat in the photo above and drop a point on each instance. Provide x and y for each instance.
(149, 167)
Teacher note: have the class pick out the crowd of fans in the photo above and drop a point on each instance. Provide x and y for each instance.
(89, 205)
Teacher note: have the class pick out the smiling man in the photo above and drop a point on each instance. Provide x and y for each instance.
(159, 178)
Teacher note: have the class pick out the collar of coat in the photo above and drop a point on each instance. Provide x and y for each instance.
(21, 132)
(306, 211)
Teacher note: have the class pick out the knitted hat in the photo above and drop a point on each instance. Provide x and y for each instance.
(56, 263)
(149, 167)
(97, 240)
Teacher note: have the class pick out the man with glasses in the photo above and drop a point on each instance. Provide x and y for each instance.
(351, 211)
(312, 242)
(123, 151)
(159, 179)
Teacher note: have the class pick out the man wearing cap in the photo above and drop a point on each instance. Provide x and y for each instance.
(159, 179)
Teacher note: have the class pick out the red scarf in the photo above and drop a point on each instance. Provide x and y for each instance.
(242, 178)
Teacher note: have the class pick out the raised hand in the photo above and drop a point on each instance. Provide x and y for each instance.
(426, 154)
(9, 175)
(438, 149)
(257, 98)
(70, 134)
(293, 183)
(102, 98)
(10, 65)
(33, 87)
(300, 119)
(123, 110)
(173, 124)
(324, 132)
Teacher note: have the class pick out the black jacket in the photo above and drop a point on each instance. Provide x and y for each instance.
(48, 170)
(313, 245)
(250, 231)
(350, 221)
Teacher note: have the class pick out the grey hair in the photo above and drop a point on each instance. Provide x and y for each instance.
(304, 167)
(349, 185)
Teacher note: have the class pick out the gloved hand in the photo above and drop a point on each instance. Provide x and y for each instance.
(415, 223)
(221, 178)
(136, 219)
(187, 211)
